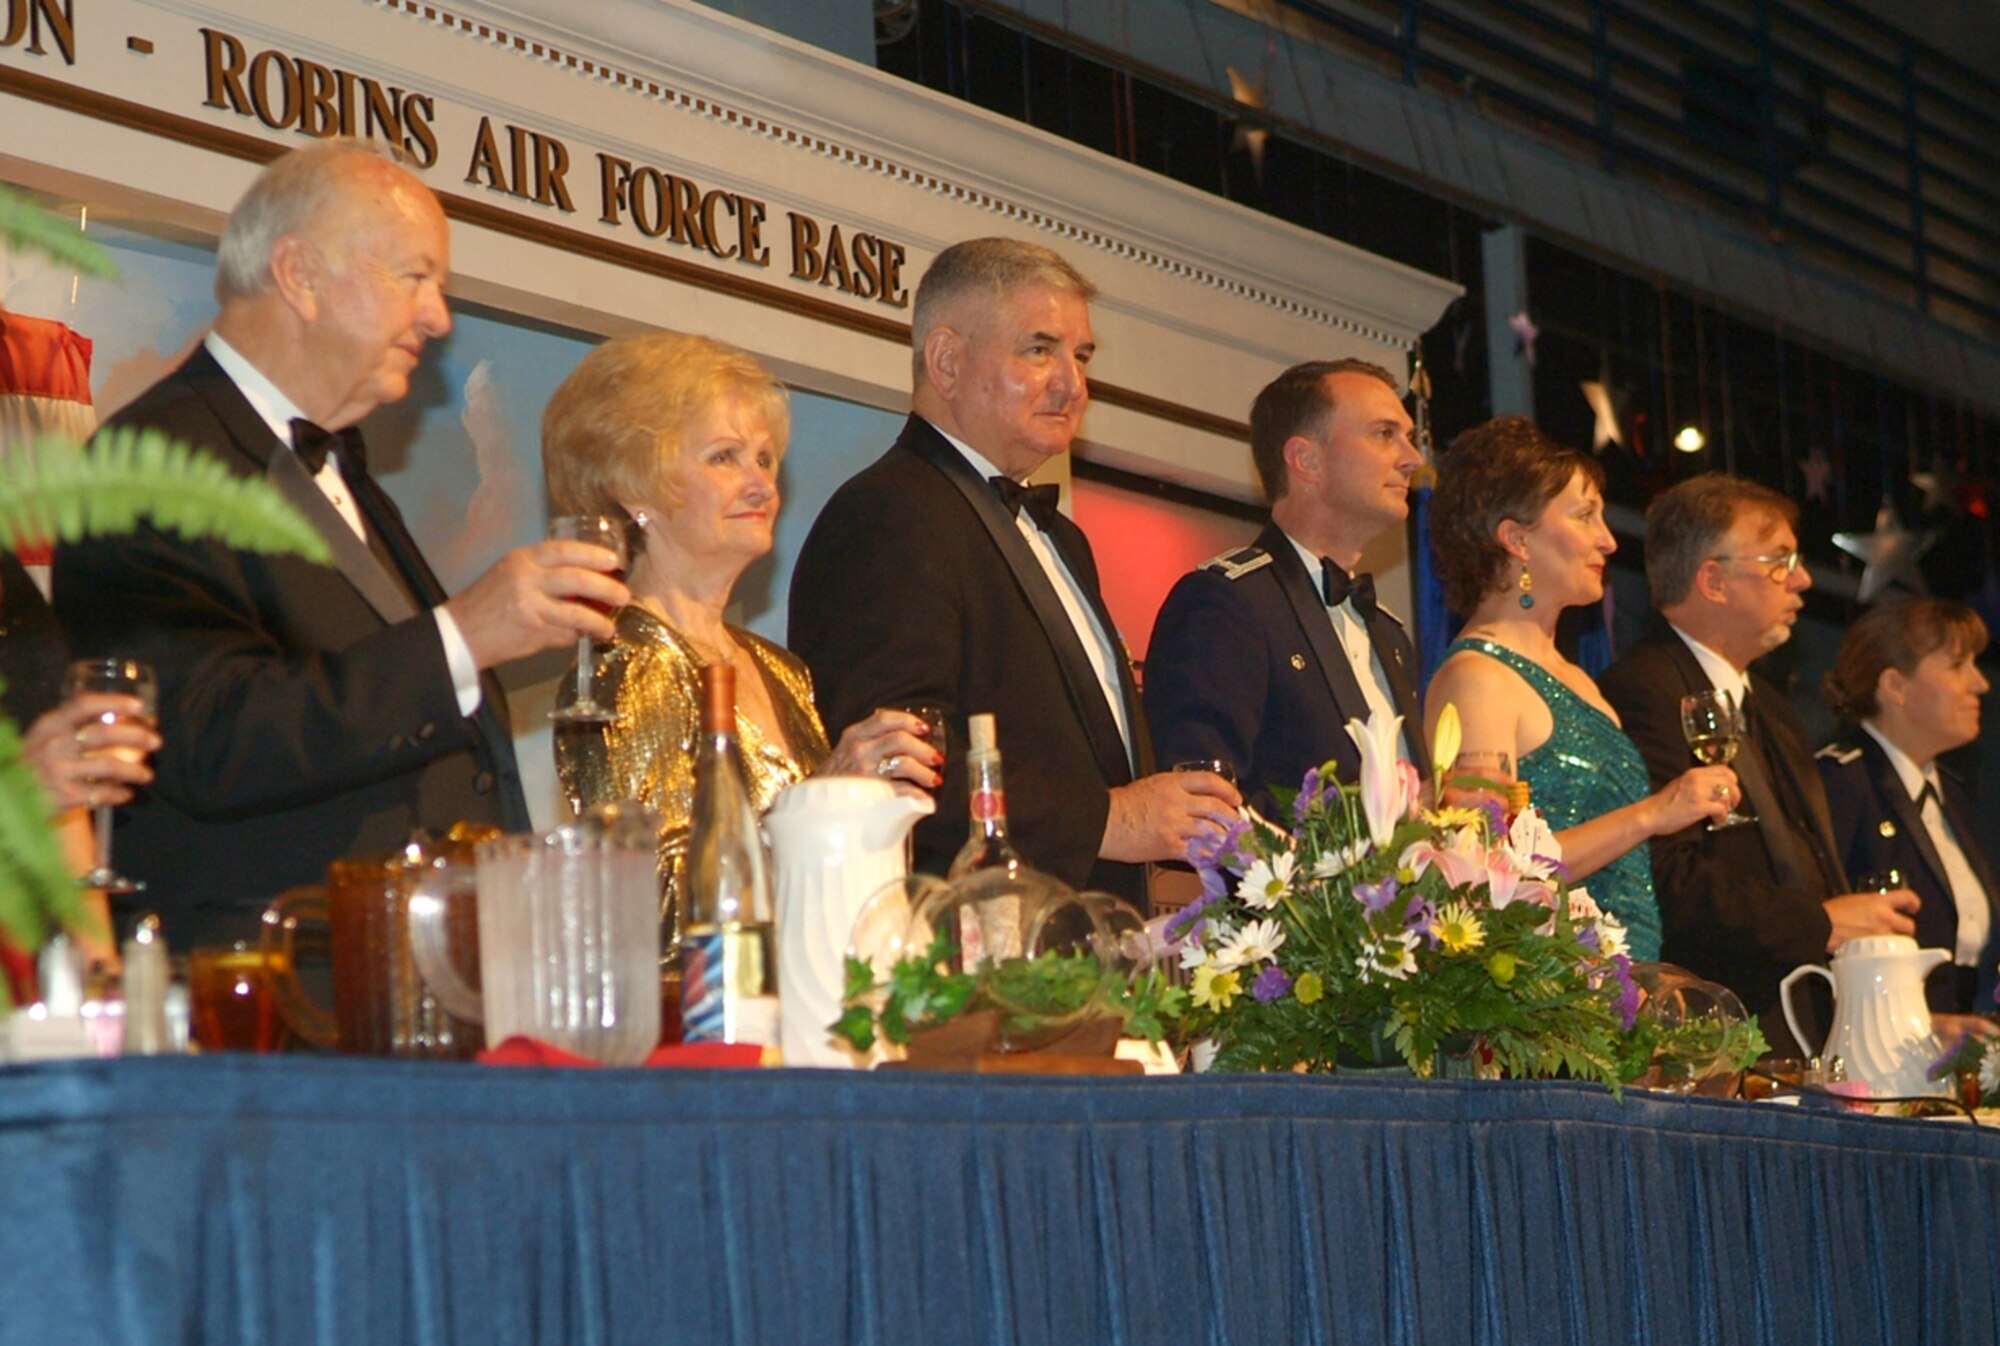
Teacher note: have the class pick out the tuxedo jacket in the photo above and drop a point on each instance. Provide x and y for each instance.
(1740, 905)
(1244, 665)
(915, 585)
(1879, 827)
(308, 711)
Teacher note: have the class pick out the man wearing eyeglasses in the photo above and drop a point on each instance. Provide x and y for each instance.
(1739, 905)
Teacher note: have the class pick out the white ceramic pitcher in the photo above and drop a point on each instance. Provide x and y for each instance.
(835, 841)
(1881, 1025)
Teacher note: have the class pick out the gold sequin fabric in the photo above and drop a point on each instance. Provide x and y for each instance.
(652, 677)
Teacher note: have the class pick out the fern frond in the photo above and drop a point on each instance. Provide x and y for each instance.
(35, 885)
(26, 227)
(60, 493)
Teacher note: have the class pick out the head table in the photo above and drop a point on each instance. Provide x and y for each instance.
(295, 1200)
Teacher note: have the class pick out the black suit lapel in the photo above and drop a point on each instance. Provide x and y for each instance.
(351, 556)
(1074, 548)
(1309, 607)
(1791, 751)
(356, 563)
(1085, 691)
(1903, 809)
(1753, 773)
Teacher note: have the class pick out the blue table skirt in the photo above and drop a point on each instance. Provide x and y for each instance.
(295, 1201)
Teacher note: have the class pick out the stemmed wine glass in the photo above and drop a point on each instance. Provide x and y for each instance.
(599, 530)
(1713, 725)
(120, 677)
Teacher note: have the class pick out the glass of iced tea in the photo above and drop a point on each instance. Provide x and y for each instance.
(230, 1004)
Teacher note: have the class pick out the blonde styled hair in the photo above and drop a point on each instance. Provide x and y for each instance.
(616, 428)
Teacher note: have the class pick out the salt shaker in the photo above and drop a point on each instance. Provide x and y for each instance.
(146, 1031)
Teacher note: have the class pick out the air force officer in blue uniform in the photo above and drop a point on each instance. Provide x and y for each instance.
(1262, 656)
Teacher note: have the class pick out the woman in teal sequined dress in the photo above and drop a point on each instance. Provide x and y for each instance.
(1518, 526)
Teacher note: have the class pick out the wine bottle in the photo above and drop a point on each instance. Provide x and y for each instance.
(728, 964)
(986, 844)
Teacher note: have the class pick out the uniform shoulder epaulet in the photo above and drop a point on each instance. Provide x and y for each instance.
(1840, 754)
(1234, 565)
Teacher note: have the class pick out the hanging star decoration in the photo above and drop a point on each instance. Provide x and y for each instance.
(1525, 332)
(1252, 134)
(1604, 406)
(1818, 473)
(1888, 556)
(1939, 485)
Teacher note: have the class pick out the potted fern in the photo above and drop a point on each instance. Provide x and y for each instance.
(56, 490)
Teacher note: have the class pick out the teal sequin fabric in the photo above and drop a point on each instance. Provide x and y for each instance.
(1588, 768)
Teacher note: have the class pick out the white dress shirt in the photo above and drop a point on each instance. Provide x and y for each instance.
(1352, 633)
(1098, 644)
(278, 412)
(1723, 675)
(1974, 918)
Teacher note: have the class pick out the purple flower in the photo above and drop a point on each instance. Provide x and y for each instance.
(1178, 924)
(1308, 795)
(1586, 935)
(1375, 897)
(1628, 992)
(1270, 984)
(1419, 918)
(1496, 815)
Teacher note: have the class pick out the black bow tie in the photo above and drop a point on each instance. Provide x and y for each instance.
(311, 443)
(1039, 501)
(1340, 588)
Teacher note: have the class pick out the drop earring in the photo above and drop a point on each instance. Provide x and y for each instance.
(641, 518)
(1527, 590)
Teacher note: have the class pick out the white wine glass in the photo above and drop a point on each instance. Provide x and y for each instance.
(121, 677)
(599, 530)
(1713, 725)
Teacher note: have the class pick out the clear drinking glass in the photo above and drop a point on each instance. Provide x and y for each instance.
(599, 530)
(1713, 726)
(123, 677)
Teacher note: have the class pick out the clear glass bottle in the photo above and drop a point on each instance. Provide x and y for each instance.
(986, 844)
(728, 961)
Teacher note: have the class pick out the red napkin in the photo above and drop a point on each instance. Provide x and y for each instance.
(521, 1050)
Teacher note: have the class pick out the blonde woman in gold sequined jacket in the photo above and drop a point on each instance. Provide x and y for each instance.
(681, 438)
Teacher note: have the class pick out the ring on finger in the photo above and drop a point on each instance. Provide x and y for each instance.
(887, 766)
(1722, 790)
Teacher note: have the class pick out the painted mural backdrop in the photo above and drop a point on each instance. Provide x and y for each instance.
(460, 455)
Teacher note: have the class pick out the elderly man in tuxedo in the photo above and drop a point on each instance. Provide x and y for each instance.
(313, 712)
(1262, 656)
(936, 575)
(1739, 905)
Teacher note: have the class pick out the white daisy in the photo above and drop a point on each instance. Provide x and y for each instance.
(1338, 862)
(1266, 882)
(1389, 957)
(1611, 939)
(1256, 942)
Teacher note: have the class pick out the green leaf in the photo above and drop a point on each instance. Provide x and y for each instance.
(35, 885)
(27, 228)
(129, 475)
(857, 1025)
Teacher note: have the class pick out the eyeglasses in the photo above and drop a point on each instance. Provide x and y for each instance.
(1779, 568)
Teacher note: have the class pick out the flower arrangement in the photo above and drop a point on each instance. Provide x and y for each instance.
(1975, 1063)
(1375, 931)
